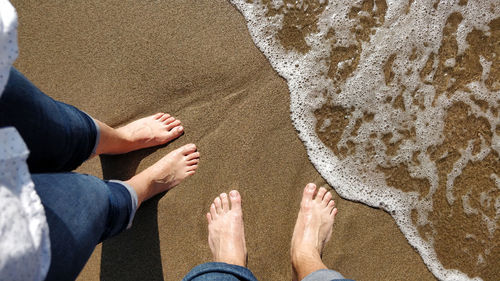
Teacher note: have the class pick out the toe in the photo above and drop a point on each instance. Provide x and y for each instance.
(213, 211)
(173, 124)
(164, 117)
(192, 156)
(191, 168)
(190, 173)
(218, 205)
(172, 134)
(177, 130)
(209, 217)
(169, 120)
(188, 149)
(331, 205)
(158, 115)
(225, 202)
(326, 199)
(320, 194)
(308, 192)
(235, 198)
(193, 162)
(334, 212)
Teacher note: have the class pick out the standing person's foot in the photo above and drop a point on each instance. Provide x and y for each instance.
(312, 230)
(153, 130)
(166, 173)
(226, 234)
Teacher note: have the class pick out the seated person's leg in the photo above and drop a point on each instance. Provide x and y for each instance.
(81, 211)
(60, 137)
(226, 238)
(312, 231)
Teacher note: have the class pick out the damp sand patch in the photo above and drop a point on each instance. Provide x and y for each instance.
(397, 103)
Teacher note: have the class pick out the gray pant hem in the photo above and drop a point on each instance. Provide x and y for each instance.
(133, 197)
(323, 275)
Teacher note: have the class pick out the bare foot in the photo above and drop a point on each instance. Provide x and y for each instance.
(312, 230)
(226, 234)
(150, 131)
(166, 173)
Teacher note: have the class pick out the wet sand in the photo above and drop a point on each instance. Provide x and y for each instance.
(194, 59)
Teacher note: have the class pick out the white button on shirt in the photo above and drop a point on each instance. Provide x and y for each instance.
(24, 234)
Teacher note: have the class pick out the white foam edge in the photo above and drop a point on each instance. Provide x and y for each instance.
(400, 211)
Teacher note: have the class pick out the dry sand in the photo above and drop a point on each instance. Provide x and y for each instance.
(123, 60)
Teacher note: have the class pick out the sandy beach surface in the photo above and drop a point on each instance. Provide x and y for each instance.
(122, 60)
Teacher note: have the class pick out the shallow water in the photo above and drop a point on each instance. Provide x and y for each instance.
(397, 103)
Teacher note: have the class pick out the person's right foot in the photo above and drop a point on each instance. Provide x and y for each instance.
(312, 230)
(226, 234)
(166, 173)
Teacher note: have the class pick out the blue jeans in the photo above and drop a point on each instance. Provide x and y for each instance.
(219, 271)
(81, 210)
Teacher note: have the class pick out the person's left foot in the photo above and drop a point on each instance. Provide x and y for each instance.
(226, 234)
(150, 131)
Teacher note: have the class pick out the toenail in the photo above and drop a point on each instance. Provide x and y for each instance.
(232, 193)
(223, 195)
(311, 187)
(180, 129)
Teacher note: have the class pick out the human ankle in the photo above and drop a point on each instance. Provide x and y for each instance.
(141, 183)
(304, 264)
(231, 260)
(299, 257)
(127, 142)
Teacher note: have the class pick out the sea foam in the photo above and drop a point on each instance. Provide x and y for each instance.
(397, 103)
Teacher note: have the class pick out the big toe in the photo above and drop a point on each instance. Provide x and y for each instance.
(188, 149)
(235, 198)
(308, 192)
(175, 132)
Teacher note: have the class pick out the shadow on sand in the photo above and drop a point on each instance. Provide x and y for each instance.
(135, 253)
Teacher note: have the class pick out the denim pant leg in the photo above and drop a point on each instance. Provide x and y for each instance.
(81, 212)
(59, 136)
(219, 271)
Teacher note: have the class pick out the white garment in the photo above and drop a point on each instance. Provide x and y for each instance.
(24, 233)
(8, 41)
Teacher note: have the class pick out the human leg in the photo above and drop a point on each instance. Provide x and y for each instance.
(81, 211)
(60, 137)
(226, 238)
(311, 233)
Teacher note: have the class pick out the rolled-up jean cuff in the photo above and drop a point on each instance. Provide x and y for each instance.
(219, 271)
(133, 197)
(324, 275)
(97, 135)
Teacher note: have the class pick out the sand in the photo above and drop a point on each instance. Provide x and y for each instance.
(123, 60)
